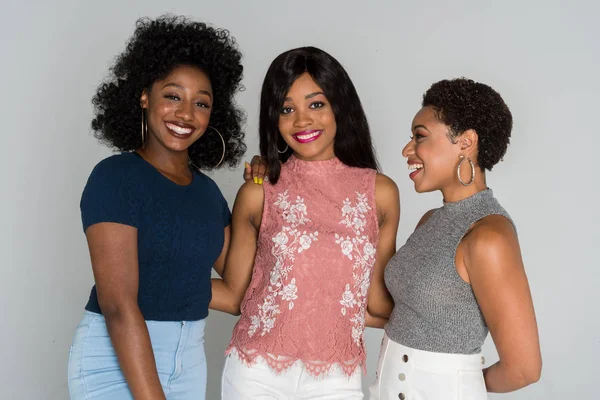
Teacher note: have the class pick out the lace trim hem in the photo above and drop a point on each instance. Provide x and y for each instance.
(281, 364)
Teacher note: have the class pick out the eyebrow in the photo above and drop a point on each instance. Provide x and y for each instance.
(201, 91)
(420, 126)
(308, 96)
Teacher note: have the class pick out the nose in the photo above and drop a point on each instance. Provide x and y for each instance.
(185, 111)
(409, 149)
(302, 119)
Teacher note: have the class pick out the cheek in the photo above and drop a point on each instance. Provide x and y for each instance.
(284, 126)
(161, 109)
(203, 115)
(328, 121)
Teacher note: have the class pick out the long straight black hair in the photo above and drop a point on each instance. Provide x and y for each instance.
(352, 145)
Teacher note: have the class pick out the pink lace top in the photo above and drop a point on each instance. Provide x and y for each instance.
(316, 250)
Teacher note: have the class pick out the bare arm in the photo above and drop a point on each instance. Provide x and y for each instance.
(219, 265)
(387, 198)
(113, 251)
(256, 172)
(247, 212)
(495, 270)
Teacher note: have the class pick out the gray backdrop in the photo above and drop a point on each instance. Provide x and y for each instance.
(543, 56)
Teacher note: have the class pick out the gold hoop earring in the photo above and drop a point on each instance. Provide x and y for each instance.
(222, 154)
(462, 158)
(144, 127)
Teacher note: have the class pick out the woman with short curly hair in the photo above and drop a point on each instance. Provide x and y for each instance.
(460, 274)
(155, 224)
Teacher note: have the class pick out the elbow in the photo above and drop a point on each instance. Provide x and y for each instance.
(377, 315)
(376, 311)
(116, 310)
(526, 375)
(235, 307)
(532, 374)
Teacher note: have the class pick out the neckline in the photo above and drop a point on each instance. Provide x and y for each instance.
(314, 167)
(469, 201)
(146, 162)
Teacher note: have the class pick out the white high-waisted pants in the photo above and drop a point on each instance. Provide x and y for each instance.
(260, 382)
(409, 374)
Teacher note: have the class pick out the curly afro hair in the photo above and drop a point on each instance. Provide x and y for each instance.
(463, 104)
(155, 49)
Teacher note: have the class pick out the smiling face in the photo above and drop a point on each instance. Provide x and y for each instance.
(178, 109)
(306, 121)
(432, 156)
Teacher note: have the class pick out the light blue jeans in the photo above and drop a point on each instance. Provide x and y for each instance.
(94, 372)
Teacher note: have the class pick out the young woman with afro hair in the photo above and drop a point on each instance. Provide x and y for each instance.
(460, 274)
(154, 223)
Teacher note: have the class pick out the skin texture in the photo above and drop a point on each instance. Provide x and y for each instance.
(182, 98)
(156, 48)
(181, 72)
(488, 257)
(305, 108)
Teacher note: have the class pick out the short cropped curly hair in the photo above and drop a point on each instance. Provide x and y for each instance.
(155, 49)
(464, 104)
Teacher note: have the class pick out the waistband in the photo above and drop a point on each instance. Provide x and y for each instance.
(430, 360)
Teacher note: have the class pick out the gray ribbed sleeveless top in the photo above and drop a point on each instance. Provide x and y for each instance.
(435, 310)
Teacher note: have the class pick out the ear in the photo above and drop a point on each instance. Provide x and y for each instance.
(468, 141)
(144, 99)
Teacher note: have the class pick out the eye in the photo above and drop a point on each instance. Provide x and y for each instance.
(417, 136)
(317, 104)
(286, 110)
(172, 97)
(202, 105)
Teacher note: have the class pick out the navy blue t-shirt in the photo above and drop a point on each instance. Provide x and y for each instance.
(180, 232)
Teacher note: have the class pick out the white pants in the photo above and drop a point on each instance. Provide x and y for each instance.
(409, 374)
(260, 382)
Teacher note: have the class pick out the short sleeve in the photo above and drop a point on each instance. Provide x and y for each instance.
(225, 211)
(109, 195)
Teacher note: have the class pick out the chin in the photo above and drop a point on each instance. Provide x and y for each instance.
(178, 145)
(423, 189)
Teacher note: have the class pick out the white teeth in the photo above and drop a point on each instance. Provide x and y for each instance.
(415, 166)
(310, 135)
(178, 129)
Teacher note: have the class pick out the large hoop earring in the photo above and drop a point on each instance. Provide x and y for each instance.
(284, 150)
(462, 158)
(144, 127)
(222, 154)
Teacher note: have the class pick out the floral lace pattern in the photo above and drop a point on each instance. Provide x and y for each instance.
(286, 244)
(291, 310)
(360, 250)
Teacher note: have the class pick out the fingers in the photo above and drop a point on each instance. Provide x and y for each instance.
(259, 169)
(247, 172)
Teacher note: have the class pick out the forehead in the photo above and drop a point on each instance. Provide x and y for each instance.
(425, 116)
(187, 76)
(304, 84)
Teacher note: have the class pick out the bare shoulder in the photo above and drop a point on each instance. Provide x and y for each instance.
(249, 201)
(385, 186)
(492, 241)
(493, 229)
(387, 198)
(251, 191)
